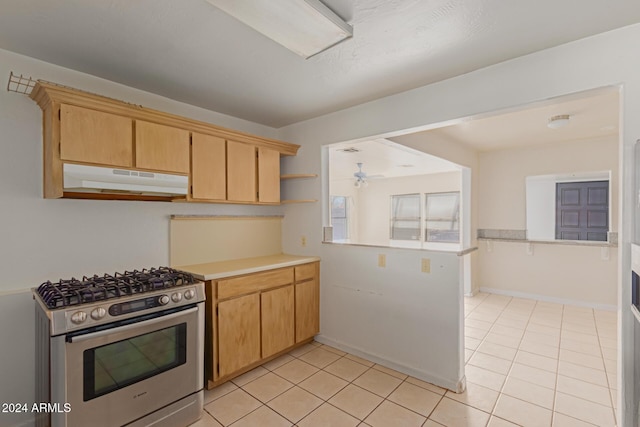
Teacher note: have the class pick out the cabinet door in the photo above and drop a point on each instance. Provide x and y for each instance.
(91, 136)
(277, 320)
(238, 333)
(307, 309)
(162, 148)
(208, 167)
(268, 175)
(241, 172)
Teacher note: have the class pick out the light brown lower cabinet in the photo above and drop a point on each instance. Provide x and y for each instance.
(307, 309)
(278, 320)
(255, 317)
(238, 333)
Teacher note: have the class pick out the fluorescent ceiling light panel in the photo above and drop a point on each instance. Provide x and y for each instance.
(306, 27)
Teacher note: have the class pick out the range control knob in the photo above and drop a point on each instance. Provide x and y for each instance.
(163, 299)
(177, 297)
(189, 293)
(78, 317)
(98, 313)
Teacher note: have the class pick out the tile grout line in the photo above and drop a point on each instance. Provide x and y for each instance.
(524, 331)
(604, 365)
(491, 413)
(555, 388)
(369, 368)
(343, 355)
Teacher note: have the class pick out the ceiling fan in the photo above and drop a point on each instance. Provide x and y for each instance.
(361, 177)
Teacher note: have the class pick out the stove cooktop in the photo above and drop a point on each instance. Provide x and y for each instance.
(75, 292)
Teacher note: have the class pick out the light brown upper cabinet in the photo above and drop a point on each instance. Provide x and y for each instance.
(241, 172)
(268, 175)
(208, 167)
(82, 127)
(91, 136)
(162, 148)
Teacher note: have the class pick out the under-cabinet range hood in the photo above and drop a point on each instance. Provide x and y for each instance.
(93, 179)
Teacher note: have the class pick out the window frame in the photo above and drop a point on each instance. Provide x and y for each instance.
(346, 218)
(393, 219)
(455, 219)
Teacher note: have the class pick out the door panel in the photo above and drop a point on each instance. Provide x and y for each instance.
(238, 333)
(91, 136)
(277, 320)
(268, 175)
(162, 148)
(208, 167)
(582, 210)
(241, 172)
(307, 309)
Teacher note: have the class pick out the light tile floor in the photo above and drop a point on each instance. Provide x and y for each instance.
(529, 363)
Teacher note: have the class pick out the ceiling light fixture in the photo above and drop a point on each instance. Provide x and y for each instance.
(305, 27)
(557, 122)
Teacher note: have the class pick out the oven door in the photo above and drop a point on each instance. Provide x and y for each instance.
(114, 374)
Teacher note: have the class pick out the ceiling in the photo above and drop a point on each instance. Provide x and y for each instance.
(192, 52)
(381, 158)
(592, 115)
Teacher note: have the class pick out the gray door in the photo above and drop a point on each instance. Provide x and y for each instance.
(582, 210)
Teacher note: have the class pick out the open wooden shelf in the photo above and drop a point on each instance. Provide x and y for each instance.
(286, 202)
(298, 175)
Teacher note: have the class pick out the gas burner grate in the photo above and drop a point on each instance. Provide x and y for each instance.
(72, 292)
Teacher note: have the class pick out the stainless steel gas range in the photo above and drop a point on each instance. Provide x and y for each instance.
(123, 349)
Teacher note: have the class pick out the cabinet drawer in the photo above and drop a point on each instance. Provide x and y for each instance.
(254, 282)
(305, 272)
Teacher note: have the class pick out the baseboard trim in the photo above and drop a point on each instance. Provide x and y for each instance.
(505, 292)
(455, 386)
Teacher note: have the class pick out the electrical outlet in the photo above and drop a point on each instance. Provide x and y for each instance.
(382, 260)
(303, 240)
(425, 266)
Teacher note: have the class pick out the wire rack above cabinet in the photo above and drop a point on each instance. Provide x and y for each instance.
(20, 84)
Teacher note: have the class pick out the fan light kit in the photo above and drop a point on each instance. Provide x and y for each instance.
(556, 122)
(361, 177)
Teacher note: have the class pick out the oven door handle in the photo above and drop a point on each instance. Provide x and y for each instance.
(92, 335)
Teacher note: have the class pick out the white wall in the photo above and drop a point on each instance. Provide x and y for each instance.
(603, 60)
(541, 207)
(51, 239)
(570, 274)
(396, 315)
(502, 176)
(580, 275)
(374, 209)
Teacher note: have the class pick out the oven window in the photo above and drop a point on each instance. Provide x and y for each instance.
(119, 364)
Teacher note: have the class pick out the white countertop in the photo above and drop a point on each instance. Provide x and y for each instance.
(236, 267)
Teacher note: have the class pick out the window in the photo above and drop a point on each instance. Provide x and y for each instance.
(339, 217)
(442, 218)
(405, 217)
